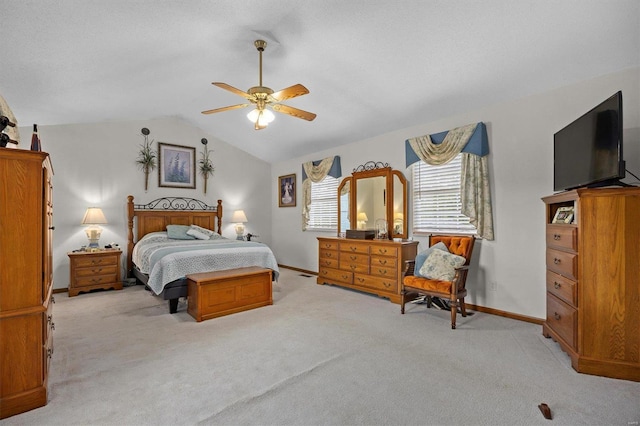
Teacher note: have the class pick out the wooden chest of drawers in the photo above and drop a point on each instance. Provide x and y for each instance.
(91, 271)
(593, 280)
(372, 266)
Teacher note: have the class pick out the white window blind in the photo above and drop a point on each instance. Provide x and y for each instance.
(436, 199)
(323, 213)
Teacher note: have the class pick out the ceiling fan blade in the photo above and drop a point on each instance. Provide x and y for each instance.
(305, 115)
(289, 92)
(232, 89)
(227, 108)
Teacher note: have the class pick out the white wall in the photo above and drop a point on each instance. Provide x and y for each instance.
(508, 273)
(94, 165)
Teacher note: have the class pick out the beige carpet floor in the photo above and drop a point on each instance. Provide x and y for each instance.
(321, 355)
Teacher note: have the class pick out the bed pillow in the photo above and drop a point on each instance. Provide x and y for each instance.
(422, 256)
(212, 235)
(197, 234)
(440, 265)
(178, 232)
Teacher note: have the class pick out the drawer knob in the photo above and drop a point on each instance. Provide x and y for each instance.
(382, 262)
(382, 251)
(556, 236)
(49, 353)
(53, 325)
(96, 262)
(353, 267)
(387, 285)
(556, 285)
(361, 280)
(353, 257)
(53, 299)
(53, 228)
(382, 271)
(328, 254)
(556, 261)
(353, 248)
(49, 318)
(557, 316)
(345, 277)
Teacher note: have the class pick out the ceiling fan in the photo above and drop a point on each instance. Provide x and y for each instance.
(263, 97)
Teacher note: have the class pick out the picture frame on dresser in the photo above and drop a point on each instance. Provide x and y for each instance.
(177, 166)
(563, 215)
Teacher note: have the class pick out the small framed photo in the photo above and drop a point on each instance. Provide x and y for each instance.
(287, 191)
(177, 166)
(563, 215)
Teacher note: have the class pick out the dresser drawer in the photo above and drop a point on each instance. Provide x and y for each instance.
(384, 271)
(563, 263)
(387, 262)
(328, 245)
(96, 270)
(82, 262)
(384, 250)
(349, 258)
(378, 283)
(328, 254)
(563, 319)
(354, 247)
(95, 280)
(328, 263)
(362, 268)
(335, 275)
(562, 237)
(563, 288)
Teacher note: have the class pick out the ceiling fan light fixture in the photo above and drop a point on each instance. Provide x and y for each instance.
(261, 117)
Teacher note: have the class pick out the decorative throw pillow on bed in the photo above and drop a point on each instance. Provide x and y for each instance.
(211, 234)
(422, 256)
(178, 232)
(197, 234)
(440, 265)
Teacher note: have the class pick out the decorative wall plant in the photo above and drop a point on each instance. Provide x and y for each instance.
(205, 165)
(147, 157)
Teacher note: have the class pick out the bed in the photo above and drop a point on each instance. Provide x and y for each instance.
(162, 263)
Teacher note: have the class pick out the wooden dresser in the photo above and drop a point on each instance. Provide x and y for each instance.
(91, 271)
(26, 279)
(372, 266)
(593, 280)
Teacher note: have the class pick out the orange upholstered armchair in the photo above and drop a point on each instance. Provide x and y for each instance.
(440, 271)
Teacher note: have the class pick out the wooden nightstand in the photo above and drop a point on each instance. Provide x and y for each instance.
(97, 270)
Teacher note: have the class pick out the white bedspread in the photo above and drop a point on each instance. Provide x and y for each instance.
(166, 260)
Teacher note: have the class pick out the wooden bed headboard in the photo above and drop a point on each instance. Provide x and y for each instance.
(157, 214)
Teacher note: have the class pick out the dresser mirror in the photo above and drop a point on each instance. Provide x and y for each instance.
(372, 196)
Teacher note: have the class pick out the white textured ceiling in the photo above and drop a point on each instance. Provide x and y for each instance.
(371, 66)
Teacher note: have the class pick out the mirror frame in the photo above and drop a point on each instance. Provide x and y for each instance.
(369, 170)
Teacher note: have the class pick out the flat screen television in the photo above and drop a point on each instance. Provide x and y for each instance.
(588, 151)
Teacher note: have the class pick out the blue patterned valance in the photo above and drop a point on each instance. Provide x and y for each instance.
(478, 144)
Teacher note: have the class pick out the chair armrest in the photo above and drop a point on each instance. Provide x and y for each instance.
(409, 267)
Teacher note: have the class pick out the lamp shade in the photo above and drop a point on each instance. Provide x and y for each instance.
(263, 117)
(94, 216)
(239, 217)
(362, 217)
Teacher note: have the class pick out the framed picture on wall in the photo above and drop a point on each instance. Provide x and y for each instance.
(177, 166)
(287, 191)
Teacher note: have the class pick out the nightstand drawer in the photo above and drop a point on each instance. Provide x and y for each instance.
(96, 270)
(95, 280)
(97, 260)
(562, 236)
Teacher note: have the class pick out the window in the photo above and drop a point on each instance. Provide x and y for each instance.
(323, 212)
(436, 199)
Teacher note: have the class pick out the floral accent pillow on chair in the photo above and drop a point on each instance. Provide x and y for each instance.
(441, 265)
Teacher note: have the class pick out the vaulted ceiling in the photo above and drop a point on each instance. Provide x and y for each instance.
(371, 66)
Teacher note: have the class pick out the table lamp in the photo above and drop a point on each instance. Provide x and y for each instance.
(94, 217)
(239, 218)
